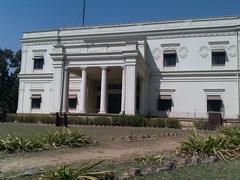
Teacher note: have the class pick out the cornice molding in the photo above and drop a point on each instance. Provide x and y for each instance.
(166, 29)
(36, 75)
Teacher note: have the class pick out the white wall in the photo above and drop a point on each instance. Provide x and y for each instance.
(189, 53)
(189, 97)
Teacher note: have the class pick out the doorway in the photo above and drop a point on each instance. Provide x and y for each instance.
(114, 103)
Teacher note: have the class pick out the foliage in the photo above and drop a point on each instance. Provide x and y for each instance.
(64, 137)
(201, 125)
(225, 143)
(172, 123)
(9, 69)
(84, 171)
(151, 159)
(134, 121)
(160, 123)
(13, 144)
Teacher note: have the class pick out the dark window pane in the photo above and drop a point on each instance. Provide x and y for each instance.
(164, 104)
(218, 58)
(72, 103)
(214, 105)
(36, 103)
(98, 102)
(38, 63)
(170, 60)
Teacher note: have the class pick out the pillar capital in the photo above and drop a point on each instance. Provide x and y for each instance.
(104, 67)
(83, 67)
(123, 66)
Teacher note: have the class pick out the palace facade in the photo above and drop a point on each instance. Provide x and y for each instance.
(181, 68)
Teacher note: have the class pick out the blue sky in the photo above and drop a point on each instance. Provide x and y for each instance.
(18, 16)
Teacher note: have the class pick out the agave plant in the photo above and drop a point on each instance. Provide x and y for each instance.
(12, 143)
(151, 159)
(56, 139)
(66, 137)
(224, 143)
(84, 172)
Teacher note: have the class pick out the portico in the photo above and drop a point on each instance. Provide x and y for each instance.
(108, 78)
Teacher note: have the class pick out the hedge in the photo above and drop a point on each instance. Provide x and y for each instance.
(134, 121)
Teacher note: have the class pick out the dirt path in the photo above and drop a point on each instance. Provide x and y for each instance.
(113, 152)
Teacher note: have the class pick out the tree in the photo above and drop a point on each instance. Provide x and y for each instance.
(9, 69)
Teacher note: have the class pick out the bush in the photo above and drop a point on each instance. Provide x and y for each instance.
(61, 138)
(172, 123)
(101, 121)
(30, 118)
(157, 123)
(224, 144)
(65, 137)
(134, 121)
(201, 125)
(13, 144)
(84, 171)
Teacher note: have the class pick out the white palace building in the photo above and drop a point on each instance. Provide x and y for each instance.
(180, 68)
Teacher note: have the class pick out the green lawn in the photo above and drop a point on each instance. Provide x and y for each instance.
(221, 170)
(99, 132)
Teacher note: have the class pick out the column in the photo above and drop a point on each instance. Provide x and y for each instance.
(142, 97)
(130, 104)
(57, 87)
(65, 91)
(83, 91)
(123, 90)
(103, 98)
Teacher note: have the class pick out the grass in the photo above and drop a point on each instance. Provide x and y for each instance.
(99, 132)
(219, 170)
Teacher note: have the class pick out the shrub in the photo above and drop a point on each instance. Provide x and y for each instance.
(13, 144)
(65, 137)
(201, 125)
(101, 121)
(85, 171)
(60, 138)
(151, 160)
(172, 123)
(224, 143)
(134, 121)
(160, 123)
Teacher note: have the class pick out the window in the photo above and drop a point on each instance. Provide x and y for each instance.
(170, 60)
(36, 101)
(218, 58)
(214, 103)
(38, 62)
(72, 102)
(164, 103)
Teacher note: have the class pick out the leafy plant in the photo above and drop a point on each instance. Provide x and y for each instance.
(151, 159)
(201, 125)
(160, 123)
(225, 143)
(12, 144)
(85, 171)
(64, 137)
(172, 123)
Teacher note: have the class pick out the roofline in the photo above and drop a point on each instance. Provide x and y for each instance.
(139, 23)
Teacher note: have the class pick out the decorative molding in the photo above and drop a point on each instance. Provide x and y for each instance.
(170, 45)
(218, 42)
(204, 51)
(183, 52)
(232, 50)
(214, 90)
(167, 90)
(156, 53)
